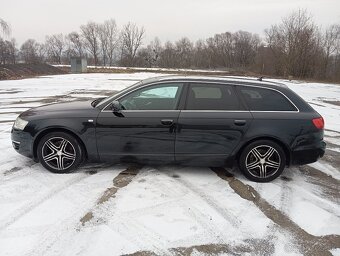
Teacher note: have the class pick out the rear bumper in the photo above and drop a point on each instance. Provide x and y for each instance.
(308, 154)
(22, 142)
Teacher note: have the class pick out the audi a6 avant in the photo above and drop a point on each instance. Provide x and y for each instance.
(260, 126)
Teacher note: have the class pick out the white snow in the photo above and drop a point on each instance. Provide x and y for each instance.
(316, 94)
(163, 207)
(336, 252)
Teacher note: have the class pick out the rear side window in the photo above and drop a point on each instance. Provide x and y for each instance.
(212, 97)
(260, 99)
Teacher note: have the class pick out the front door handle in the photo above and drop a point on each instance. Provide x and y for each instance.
(167, 122)
(240, 122)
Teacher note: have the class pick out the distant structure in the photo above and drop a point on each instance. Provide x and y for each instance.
(78, 65)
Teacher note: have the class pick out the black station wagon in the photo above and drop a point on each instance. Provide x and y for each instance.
(260, 126)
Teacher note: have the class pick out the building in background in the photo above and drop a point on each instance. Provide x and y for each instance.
(78, 65)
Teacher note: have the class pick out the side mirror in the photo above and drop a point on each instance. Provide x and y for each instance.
(116, 107)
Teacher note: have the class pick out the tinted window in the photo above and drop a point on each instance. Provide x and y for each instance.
(212, 97)
(259, 99)
(156, 97)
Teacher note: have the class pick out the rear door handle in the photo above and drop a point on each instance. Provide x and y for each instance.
(240, 122)
(167, 122)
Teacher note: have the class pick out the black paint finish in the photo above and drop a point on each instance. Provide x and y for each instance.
(209, 136)
(137, 136)
(188, 137)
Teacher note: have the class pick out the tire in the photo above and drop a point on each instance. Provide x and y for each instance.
(262, 161)
(60, 152)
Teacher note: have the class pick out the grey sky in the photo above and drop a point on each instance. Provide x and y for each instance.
(169, 20)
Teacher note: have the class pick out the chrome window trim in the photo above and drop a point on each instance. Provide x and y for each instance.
(242, 111)
(210, 82)
(262, 87)
(217, 110)
(254, 86)
(274, 111)
(139, 110)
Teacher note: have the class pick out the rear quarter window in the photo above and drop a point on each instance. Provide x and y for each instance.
(260, 99)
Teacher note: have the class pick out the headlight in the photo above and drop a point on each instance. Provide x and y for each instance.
(20, 124)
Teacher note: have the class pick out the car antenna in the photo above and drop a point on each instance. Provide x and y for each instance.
(260, 78)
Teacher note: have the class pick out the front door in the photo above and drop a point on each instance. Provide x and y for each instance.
(145, 128)
(211, 125)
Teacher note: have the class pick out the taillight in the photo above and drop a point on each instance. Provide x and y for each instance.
(319, 123)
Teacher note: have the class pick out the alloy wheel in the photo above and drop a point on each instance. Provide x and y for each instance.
(263, 161)
(58, 153)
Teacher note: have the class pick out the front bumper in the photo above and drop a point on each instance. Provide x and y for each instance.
(22, 142)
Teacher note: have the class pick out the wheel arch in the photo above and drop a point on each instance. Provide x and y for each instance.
(57, 129)
(284, 146)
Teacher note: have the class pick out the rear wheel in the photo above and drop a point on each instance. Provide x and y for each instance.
(59, 152)
(262, 161)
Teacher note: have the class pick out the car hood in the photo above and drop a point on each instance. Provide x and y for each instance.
(60, 110)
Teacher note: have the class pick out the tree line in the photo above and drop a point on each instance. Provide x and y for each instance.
(295, 47)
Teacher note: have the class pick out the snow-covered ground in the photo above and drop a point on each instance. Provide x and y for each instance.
(167, 210)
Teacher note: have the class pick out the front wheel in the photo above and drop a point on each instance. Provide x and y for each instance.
(59, 152)
(262, 161)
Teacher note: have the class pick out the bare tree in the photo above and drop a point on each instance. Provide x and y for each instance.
(167, 58)
(5, 28)
(151, 53)
(74, 44)
(331, 44)
(113, 39)
(230, 50)
(245, 48)
(184, 51)
(7, 48)
(221, 50)
(55, 46)
(41, 51)
(295, 46)
(90, 33)
(108, 38)
(295, 43)
(32, 52)
(132, 37)
(8, 51)
(103, 40)
(201, 57)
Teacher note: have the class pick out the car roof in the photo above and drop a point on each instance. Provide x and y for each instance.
(220, 79)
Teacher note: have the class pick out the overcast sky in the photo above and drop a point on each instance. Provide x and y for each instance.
(169, 20)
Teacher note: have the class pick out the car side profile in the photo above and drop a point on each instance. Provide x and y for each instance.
(260, 126)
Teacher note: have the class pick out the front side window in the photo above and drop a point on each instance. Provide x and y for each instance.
(156, 97)
(260, 99)
(212, 97)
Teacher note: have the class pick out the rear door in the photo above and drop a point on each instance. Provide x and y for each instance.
(211, 125)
